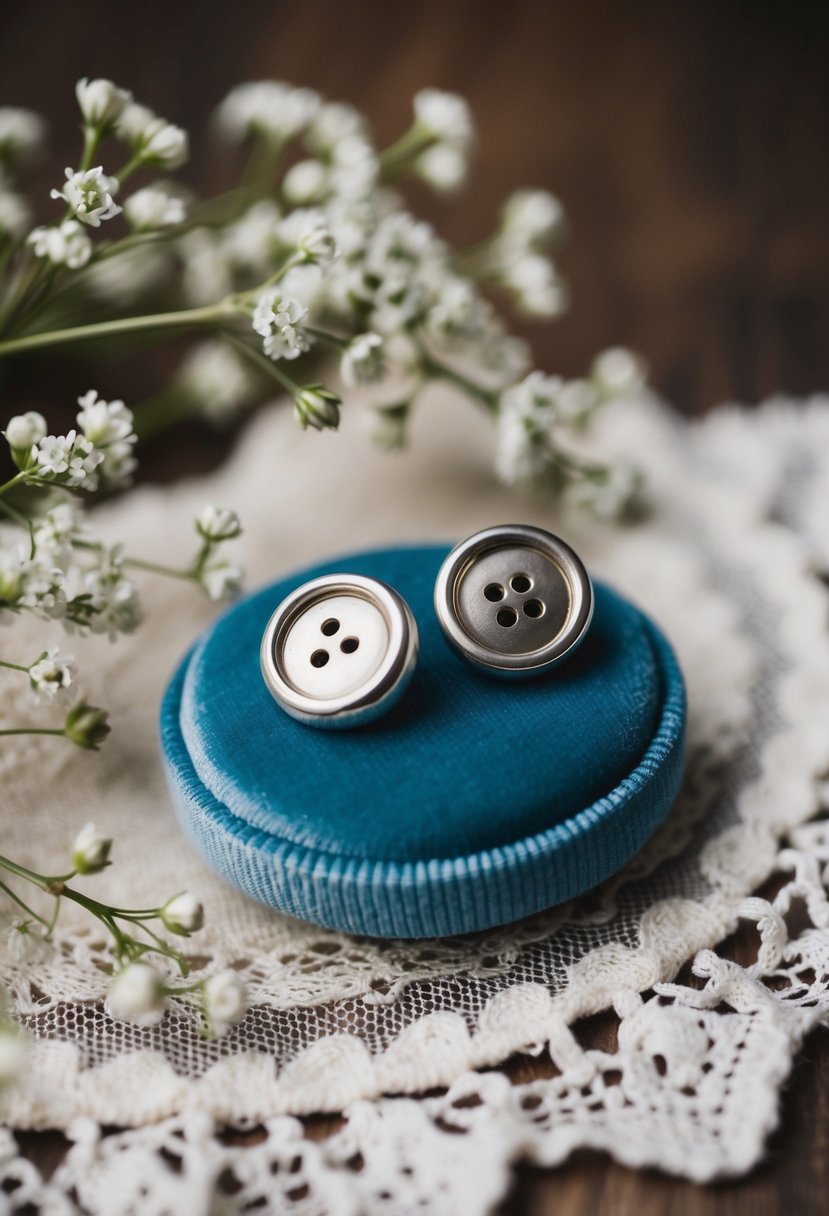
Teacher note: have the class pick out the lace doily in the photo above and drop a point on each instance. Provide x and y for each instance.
(726, 564)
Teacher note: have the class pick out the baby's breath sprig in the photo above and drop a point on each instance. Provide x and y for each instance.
(139, 991)
(309, 249)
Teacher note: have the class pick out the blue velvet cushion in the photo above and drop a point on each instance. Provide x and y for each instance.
(472, 803)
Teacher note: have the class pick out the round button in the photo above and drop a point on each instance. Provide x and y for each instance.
(513, 600)
(339, 650)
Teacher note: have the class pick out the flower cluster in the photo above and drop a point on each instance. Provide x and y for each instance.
(139, 991)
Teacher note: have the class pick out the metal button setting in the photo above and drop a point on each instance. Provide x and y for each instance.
(339, 650)
(514, 600)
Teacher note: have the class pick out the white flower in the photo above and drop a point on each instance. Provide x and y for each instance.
(617, 372)
(153, 139)
(21, 132)
(65, 244)
(108, 426)
(165, 144)
(24, 430)
(89, 194)
(218, 523)
(104, 422)
(527, 412)
(354, 170)
(305, 182)
(279, 321)
(112, 598)
(333, 123)
(225, 1001)
(216, 379)
(90, 851)
(317, 407)
(25, 943)
(534, 399)
(15, 214)
(522, 456)
(53, 678)
(577, 401)
(55, 531)
(363, 360)
(136, 994)
(444, 116)
(183, 914)
(538, 290)
(533, 216)
(14, 1050)
(119, 464)
(13, 571)
(101, 102)
(616, 494)
(444, 167)
(69, 459)
(134, 121)
(153, 208)
(307, 230)
(267, 107)
(221, 581)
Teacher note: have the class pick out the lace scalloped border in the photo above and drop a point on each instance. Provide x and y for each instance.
(337, 1070)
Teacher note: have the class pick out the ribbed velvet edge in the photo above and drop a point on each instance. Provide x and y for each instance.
(440, 897)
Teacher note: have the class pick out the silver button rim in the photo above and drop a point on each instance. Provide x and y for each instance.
(486, 658)
(385, 685)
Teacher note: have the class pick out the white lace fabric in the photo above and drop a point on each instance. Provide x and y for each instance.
(727, 564)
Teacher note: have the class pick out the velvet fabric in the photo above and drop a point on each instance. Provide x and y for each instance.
(472, 803)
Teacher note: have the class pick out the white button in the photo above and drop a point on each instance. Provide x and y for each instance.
(514, 600)
(339, 650)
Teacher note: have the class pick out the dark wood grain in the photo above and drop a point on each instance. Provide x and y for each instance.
(688, 142)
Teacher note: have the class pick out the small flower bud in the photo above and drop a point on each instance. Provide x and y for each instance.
(318, 245)
(363, 360)
(101, 102)
(617, 372)
(218, 523)
(224, 1000)
(136, 994)
(317, 407)
(90, 852)
(183, 914)
(24, 430)
(86, 726)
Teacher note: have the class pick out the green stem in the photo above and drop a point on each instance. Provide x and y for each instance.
(32, 730)
(332, 339)
(53, 919)
(13, 666)
(13, 481)
(156, 568)
(572, 464)
(21, 903)
(91, 139)
(262, 362)
(24, 522)
(438, 371)
(395, 159)
(183, 319)
(40, 880)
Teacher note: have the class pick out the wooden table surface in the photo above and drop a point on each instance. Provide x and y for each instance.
(688, 142)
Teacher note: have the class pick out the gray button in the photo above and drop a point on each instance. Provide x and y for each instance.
(339, 650)
(513, 600)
